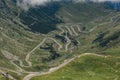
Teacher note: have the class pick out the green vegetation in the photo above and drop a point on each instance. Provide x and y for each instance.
(2, 78)
(43, 37)
(82, 12)
(87, 67)
(113, 51)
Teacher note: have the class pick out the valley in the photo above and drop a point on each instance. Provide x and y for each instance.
(77, 41)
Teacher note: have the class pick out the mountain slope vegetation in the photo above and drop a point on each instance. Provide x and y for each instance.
(43, 37)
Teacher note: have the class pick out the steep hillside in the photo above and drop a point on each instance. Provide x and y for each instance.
(41, 19)
(43, 37)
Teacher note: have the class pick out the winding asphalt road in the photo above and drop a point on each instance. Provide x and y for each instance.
(78, 28)
(33, 74)
(72, 28)
(67, 27)
(28, 55)
(51, 70)
(68, 42)
(9, 76)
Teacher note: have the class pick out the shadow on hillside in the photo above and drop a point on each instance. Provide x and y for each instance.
(41, 19)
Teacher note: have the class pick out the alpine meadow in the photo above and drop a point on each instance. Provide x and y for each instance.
(59, 40)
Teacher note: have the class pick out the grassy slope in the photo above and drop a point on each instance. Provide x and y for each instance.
(82, 12)
(87, 68)
(90, 15)
(23, 44)
(90, 67)
(2, 78)
(14, 37)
